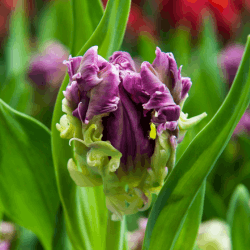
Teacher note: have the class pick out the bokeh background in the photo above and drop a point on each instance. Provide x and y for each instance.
(207, 37)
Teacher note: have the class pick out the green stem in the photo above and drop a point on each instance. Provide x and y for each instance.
(116, 232)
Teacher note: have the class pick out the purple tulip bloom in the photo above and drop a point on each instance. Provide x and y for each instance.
(113, 110)
(132, 99)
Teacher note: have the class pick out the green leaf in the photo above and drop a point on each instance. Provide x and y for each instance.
(195, 164)
(110, 31)
(18, 93)
(26, 239)
(61, 240)
(188, 232)
(56, 23)
(214, 204)
(28, 193)
(239, 218)
(86, 16)
(84, 208)
(116, 233)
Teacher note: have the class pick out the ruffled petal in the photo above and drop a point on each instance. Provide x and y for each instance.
(72, 94)
(150, 82)
(81, 110)
(186, 85)
(123, 59)
(173, 70)
(104, 97)
(73, 65)
(133, 85)
(161, 66)
(127, 130)
(167, 125)
(87, 74)
(102, 63)
(169, 113)
(159, 100)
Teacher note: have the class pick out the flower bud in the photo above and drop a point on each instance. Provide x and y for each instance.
(124, 125)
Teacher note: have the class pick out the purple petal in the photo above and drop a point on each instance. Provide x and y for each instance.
(150, 82)
(81, 110)
(172, 113)
(72, 94)
(104, 97)
(123, 59)
(159, 100)
(87, 74)
(174, 74)
(169, 113)
(177, 86)
(161, 65)
(73, 64)
(167, 125)
(186, 85)
(133, 85)
(127, 130)
(102, 63)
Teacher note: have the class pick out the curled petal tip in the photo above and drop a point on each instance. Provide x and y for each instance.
(186, 85)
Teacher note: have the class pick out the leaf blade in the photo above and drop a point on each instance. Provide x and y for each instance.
(239, 218)
(187, 236)
(28, 177)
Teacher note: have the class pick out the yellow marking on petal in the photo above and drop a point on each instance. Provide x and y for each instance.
(152, 133)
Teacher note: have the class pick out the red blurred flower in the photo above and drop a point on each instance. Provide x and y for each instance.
(138, 23)
(191, 12)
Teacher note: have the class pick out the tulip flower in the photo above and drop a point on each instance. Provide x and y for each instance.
(124, 124)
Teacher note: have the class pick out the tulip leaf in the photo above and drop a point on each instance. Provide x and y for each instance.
(59, 24)
(239, 218)
(28, 192)
(214, 204)
(188, 232)
(61, 240)
(86, 16)
(115, 239)
(184, 181)
(110, 31)
(84, 208)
